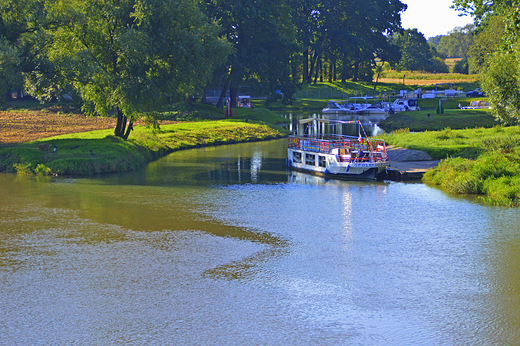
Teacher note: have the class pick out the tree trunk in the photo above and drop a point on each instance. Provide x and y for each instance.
(305, 73)
(220, 103)
(344, 70)
(334, 68)
(314, 59)
(356, 67)
(233, 92)
(317, 67)
(128, 129)
(378, 74)
(294, 69)
(331, 69)
(121, 124)
(321, 70)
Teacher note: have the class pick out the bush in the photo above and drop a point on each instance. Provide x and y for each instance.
(461, 66)
(437, 65)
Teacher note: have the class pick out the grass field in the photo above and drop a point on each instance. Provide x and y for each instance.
(429, 120)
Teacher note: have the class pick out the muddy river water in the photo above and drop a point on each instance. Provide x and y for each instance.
(224, 246)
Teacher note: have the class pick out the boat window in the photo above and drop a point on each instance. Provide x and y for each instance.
(297, 157)
(310, 159)
(322, 161)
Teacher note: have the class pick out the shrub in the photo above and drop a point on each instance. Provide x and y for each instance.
(461, 66)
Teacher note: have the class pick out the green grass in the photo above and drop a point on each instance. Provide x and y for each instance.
(452, 118)
(468, 143)
(485, 162)
(100, 152)
(199, 111)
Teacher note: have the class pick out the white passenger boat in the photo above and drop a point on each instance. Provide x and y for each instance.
(334, 107)
(338, 156)
(341, 107)
(373, 109)
(404, 104)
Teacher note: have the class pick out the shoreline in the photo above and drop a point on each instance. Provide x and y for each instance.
(99, 152)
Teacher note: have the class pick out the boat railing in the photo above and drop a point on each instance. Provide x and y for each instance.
(373, 150)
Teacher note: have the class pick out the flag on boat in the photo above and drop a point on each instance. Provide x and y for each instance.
(360, 139)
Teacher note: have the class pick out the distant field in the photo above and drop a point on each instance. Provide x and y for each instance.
(425, 81)
(422, 78)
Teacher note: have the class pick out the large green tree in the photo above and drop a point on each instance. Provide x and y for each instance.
(347, 33)
(22, 41)
(131, 55)
(457, 43)
(501, 81)
(500, 62)
(415, 51)
(486, 42)
(479, 9)
(262, 37)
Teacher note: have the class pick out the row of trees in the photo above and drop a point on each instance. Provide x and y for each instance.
(131, 56)
(125, 56)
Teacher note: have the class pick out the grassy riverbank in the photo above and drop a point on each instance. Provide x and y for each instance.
(485, 162)
(429, 120)
(99, 151)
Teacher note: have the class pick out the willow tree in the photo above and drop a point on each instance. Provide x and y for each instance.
(130, 56)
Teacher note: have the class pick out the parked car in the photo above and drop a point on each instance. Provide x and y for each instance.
(475, 93)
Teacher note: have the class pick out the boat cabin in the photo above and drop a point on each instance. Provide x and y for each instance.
(405, 104)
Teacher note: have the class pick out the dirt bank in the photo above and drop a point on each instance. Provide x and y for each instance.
(26, 126)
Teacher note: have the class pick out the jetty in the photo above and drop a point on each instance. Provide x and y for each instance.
(408, 164)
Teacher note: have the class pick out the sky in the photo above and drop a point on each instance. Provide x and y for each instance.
(432, 17)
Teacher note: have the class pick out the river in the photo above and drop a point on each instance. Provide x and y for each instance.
(224, 246)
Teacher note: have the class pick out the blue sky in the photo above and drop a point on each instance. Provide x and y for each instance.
(432, 17)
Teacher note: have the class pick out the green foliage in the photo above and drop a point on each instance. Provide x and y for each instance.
(437, 65)
(457, 43)
(10, 73)
(452, 118)
(262, 36)
(415, 51)
(478, 161)
(461, 66)
(494, 174)
(130, 55)
(486, 42)
(468, 143)
(502, 85)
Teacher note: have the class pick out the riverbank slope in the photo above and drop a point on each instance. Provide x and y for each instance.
(94, 152)
(483, 162)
